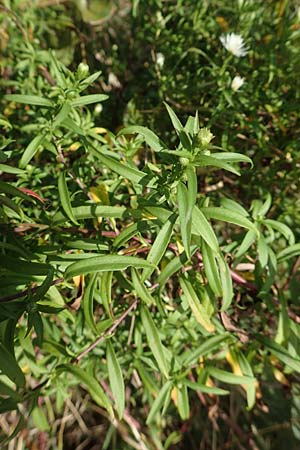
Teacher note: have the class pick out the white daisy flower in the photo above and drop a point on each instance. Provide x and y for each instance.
(237, 82)
(234, 43)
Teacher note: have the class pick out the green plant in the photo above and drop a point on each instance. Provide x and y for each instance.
(133, 283)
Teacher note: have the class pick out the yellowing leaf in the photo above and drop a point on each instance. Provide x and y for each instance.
(100, 194)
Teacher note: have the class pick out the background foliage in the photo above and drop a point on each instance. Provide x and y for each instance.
(149, 279)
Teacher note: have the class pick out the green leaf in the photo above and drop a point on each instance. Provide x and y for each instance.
(185, 217)
(226, 282)
(131, 174)
(28, 99)
(88, 99)
(183, 401)
(62, 114)
(91, 211)
(31, 150)
(204, 161)
(247, 370)
(105, 292)
(93, 387)
(230, 378)
(197, 308)
(10, 368)
(104, 263)
(280, 352)
(208, 346)
(234, 206)
(263, 251)
(72, 126)
(205, 389)
(246, 243)
(39, 419)
(201, 227)
(158, 248)
(232, 157)
(289, 252)
(211, 269)
(8, 391)
(183, 136)
(150, 138)
(45, 286)
(226, 215)
(174, 266)
(164, 394)
(10, 169)
(115, 379)
(282, 228)
(8, 189)
(154, 341)
(140, 289)
(65, 197)
(88, 304)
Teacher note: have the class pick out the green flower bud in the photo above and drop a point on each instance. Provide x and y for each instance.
(205, 136)
(82, 70)
(184, 161)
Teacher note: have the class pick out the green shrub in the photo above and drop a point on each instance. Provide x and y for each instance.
(124, 272)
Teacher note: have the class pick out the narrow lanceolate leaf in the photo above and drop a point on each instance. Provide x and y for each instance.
(88, 304)
(205, 389)
(201, 227)
(282, 228)
(226, 215)
(163, 396)
(28, 99)
(62, 114)
(158, 248)
(174, 119)
(140, 289)
(185, 217)
(289, 252)
(197, 308)
(211, 269)
(31, 150)
(248, 240)
(263, 251)
(105, 291)
(91, 211)
(280, 352)
(174, 266)
(10, 368)
(247, 370)
(8, 189)
(89, 99)
(65, 197)
(104, 264)
(232, 157)
(183, 402)
(230, 378)
(183, 136)
(150, 138)
(186, 198)
(226, 282)
(131, 174)
(115, 379)
(210, 345)
(204, 160)
(72, 126)
(92, 385)
(154, 341)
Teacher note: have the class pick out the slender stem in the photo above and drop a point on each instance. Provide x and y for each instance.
(21, 294)
(106, 333)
